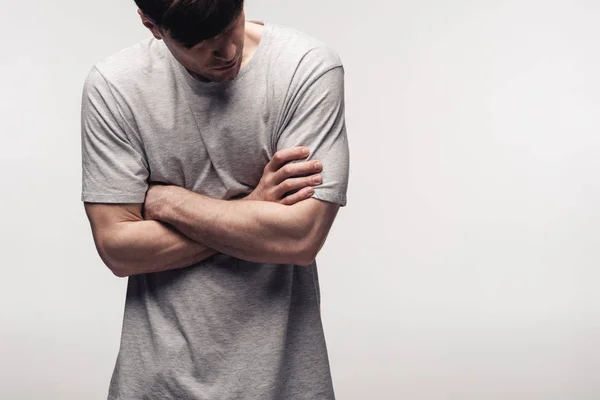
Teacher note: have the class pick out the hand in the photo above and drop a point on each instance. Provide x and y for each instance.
(155, 200)
(277, 179)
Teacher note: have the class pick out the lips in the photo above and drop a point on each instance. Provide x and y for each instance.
(227, 66)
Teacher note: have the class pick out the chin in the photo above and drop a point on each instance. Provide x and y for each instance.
(227, 77)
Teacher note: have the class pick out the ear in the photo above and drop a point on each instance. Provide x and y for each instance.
(150, 25)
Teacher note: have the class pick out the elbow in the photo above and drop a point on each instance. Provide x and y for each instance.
(309, 247)
(119, 272)
(112, 263)
(306, 254)
(304, 262)
(306, 246)
(115, 267)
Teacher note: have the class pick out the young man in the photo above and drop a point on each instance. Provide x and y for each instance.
(191, 142)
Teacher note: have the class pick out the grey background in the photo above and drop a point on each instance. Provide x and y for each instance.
(466, 264)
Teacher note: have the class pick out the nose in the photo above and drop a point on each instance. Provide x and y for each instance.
(226, 51)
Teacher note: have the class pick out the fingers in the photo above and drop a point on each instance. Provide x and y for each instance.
(286, 155)
(293, 184)
(288, 181)
(297, 170)
(298, 196)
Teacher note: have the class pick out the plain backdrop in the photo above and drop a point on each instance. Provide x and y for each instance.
(467, 262)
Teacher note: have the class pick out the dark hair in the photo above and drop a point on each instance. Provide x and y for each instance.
(191, 21)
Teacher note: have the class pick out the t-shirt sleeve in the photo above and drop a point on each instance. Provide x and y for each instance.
(317, 121)
(113, 169)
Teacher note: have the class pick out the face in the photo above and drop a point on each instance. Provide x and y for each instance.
(217, 59)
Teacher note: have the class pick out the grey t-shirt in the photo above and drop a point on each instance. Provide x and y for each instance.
(224, 328)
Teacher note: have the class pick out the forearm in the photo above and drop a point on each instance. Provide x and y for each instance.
(256, 231)
(139, 247)
(142, 246)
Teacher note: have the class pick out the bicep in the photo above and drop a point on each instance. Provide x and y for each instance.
(317, 121)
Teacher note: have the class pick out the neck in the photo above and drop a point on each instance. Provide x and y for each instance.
(252, 36)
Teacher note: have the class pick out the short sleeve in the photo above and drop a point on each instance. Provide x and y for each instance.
(113, 170)
(317, 121)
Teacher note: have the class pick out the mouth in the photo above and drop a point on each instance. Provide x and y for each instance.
(226, 67)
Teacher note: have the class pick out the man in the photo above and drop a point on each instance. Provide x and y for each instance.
(191, 142)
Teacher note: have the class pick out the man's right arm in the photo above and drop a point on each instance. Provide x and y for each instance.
(130, 245)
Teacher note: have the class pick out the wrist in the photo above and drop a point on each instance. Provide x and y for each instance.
(173, 197)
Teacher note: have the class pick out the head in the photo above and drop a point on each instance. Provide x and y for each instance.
(203, 35)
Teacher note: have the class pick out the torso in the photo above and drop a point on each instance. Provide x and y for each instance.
(225, 325)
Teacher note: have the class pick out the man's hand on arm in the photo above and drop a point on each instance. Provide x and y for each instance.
(257, 231)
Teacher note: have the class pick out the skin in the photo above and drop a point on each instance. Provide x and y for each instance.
(132, 243)
(176, 228)
(236, 44)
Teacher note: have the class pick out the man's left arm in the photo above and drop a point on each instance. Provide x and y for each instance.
(256, 231)
(269, 232)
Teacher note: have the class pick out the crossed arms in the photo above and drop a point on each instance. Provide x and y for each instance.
(176, 228)
(187, 227)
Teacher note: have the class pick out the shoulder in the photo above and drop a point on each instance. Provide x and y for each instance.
(301, 55)
(293, 42)
(130, 67)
